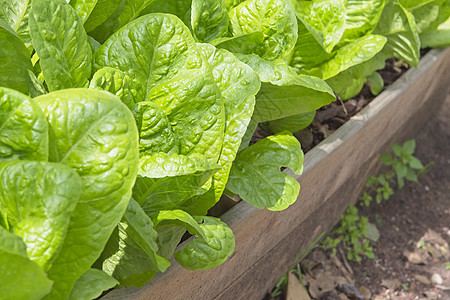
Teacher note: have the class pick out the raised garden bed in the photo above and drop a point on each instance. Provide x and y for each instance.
(334, 171)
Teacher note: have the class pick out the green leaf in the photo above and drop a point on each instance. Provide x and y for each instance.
(211, 251)
(155, 131)
(94, 44)
(15, 13)
(293, 123)
(349, 83)
(398, 150)
(308, 52)
(238, 84)
(83, 8)
(274, 18)
(376, 83)
(415, 163)
(91, 285)
(436, 38)
(256, 175)
(95, 133)
(398, 26)
(120, 14)
(178, 218)
(362, 17)
(115, 82)
(325, 19)
(372, 232)
(168, 239)
(179, 8)
(209, 19)
(410, 175)
(355, 53)
(23, 128)
(101, 12)
(160, 56)
(11, 243)
(159, 174)
(425, 12)
(283, 92)
(14, 60)
(400, 169)
(20, 277)
(35, 87)
(38, 198)
(409, 147)
(130, 255)
(248, 134)
(386, 159)
(246, 43)
(61, 43)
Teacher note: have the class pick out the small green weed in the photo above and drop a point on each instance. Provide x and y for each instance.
(355, 232)
(352, 232)
(404, 166)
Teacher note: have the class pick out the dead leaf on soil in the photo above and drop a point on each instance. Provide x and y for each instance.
(391, 284)
(308, 265)
(422, 279)
(325, 282)
(434, 237)
(415, 257)
(314, 290)
(340, 280)
(295, 290)
(434, 244)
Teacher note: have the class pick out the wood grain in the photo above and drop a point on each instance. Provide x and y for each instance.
(334, 172)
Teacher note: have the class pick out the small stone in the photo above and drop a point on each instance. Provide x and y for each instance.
(342, 296)
(365, 292)
(437, 279)
(350, 291)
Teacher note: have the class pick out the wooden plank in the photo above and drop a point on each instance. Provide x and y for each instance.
(267, 242)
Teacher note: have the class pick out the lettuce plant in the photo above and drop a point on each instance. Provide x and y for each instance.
(122, 122)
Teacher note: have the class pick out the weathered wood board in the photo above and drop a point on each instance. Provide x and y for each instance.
(334, 172)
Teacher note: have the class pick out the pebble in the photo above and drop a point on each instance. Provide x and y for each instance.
(437, 279)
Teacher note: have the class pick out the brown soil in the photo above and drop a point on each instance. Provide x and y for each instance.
(413, 246)
(407, 217)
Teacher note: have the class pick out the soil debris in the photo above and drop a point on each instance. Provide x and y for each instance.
(412, 255)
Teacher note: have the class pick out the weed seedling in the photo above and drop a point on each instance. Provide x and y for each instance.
(354, 231)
